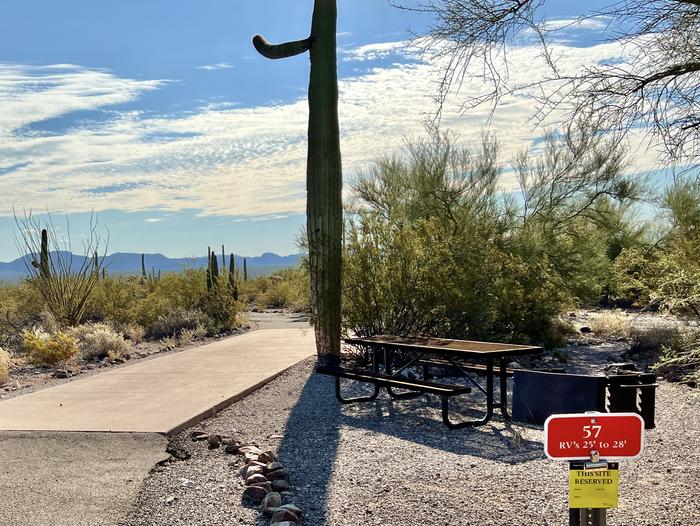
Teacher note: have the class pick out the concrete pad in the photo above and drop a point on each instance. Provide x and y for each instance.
(73, 479)
(165, 394)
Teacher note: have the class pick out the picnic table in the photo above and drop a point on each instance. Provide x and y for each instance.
(391, 355)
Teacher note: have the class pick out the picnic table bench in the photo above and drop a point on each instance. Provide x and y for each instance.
(467, 357)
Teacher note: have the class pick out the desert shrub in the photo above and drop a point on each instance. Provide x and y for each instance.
(135, 333)
(21, 308)
(174, 321)
(286, 289)
(609, 324)
(4, 365)
(49, 349)
(650, 340)
(680, 359)
(199, 332)
(433, 246)
(633, 277)
(185, 336)
(97, 341)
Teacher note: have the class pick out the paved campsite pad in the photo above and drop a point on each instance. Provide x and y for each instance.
(73, 479)
(165, 394)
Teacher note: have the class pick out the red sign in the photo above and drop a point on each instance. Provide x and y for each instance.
(612, 435)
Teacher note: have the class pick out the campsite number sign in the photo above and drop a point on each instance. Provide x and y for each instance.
(612, 435)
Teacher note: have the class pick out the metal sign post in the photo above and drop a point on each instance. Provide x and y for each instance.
(582, 439)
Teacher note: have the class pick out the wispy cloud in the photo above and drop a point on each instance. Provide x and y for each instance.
(215, 67)
(233, 161)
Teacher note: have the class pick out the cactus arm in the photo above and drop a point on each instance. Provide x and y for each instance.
(275, 51)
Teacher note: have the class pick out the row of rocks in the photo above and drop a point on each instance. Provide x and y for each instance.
(265, 478)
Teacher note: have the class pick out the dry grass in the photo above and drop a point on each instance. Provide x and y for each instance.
(611, 325)
(135, 333)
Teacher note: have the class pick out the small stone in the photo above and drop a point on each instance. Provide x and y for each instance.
(255, 479)
(232, 448)
(280, 485)
(514, 365)
(249, 471)
(249, 457)
(294, 509)
(170, 499)
(273, 466)
(62, 373)
(283, 515)
(269, 504)
(280, 474)
(214, 441)
(265, 485)
(585, 330)
(255, 494)
(285, 523)
(197, 436)
(267, 457)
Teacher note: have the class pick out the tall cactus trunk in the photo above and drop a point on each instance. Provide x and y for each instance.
(324, 182)
(323, 173)
(44, 266)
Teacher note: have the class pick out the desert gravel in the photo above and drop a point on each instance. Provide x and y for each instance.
(394, 463)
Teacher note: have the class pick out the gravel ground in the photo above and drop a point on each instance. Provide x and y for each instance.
(394, 463)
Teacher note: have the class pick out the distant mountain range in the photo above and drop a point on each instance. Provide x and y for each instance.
(130, 263)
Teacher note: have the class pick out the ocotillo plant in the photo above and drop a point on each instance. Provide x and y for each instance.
(323, 172)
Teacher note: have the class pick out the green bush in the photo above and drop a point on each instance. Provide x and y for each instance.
(97, 341)
(175, 320)
(21, 309)
(680, 360)
(433, 246)
(4, 365)
(286, 289)
(49, 349)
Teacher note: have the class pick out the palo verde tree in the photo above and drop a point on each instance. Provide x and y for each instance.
(323, 172)
(654, 83)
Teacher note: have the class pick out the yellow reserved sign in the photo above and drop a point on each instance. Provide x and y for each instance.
(589, 488)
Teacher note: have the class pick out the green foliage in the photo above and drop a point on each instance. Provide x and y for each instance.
(435, 248)
(285, 289)
(680, 359)
(173, 321)
(45, 349)
(21, 309)
(219, 307)
(5, 363)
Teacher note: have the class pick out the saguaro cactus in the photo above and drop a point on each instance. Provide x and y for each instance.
(323, 172)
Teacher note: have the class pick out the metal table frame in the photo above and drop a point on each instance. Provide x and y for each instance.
(451, 350)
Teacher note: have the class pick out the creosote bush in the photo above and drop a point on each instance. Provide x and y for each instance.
(49, 349)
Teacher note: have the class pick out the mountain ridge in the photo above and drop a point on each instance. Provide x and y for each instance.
(130, 263)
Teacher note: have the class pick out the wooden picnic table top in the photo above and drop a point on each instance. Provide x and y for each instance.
(445, 345)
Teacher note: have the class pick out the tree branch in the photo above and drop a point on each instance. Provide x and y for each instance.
(275, 51)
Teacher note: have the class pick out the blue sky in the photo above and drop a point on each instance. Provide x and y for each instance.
(160, 116)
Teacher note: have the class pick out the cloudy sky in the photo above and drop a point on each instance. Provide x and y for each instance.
(159, 116)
